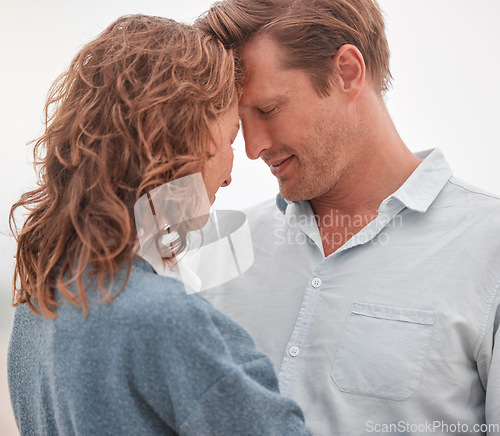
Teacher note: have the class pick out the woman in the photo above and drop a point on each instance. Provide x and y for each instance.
(100, 343)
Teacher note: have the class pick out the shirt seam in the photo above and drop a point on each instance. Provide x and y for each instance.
(485, 194)
(487, 316)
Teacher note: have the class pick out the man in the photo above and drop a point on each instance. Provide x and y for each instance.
(375, 288)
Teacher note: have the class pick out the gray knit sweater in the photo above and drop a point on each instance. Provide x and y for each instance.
(153, 361)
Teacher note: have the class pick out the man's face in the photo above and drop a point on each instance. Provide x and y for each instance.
(303, 137)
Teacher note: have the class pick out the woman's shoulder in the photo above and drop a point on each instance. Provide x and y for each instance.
(158, 303)
(152, 301)
(143, 284)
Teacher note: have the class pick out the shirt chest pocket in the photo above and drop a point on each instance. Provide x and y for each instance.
(382, 351)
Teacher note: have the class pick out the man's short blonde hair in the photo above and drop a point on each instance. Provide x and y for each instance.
(310, 32)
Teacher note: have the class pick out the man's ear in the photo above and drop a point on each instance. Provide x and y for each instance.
(350, 69)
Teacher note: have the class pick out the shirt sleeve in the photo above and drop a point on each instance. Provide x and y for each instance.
(493, 389)
(202, 374)
(489, 365)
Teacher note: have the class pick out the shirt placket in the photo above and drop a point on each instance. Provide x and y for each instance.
(389, 209)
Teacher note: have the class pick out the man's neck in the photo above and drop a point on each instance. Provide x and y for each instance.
(362, 192)
(375, 174)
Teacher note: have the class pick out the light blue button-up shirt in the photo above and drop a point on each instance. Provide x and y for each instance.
(394, 333)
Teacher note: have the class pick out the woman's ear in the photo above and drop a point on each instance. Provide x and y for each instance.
(350, 69)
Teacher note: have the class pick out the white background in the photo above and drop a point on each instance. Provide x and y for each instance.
(446, 90)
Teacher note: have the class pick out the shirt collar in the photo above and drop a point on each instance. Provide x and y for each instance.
(282, 203)
(420, 189)
(426, 182)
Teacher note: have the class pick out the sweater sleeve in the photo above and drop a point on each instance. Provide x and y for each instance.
(238, 405)
(202, 374)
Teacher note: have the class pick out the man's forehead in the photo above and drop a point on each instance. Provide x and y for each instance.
(261, 54)
(260, 89)
(264, 79)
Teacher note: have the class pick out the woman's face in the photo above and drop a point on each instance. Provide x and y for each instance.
(217, 170)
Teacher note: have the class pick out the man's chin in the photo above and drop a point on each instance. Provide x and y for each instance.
(299, 192)
(292, 193)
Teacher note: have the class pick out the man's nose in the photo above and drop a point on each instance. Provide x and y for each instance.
(257, 137)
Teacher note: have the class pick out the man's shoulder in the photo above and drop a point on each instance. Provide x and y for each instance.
(470, 189)
(463, 205)
(259, 213)
(264, 218)
(266, 206)
(468, 196)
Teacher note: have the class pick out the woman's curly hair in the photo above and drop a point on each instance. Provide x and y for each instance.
(131, 113)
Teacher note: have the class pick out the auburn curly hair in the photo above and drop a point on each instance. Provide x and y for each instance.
(131, 113)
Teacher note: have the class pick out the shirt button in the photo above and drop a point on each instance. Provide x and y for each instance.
(316, 282)
(389, 203)
(294, 351)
